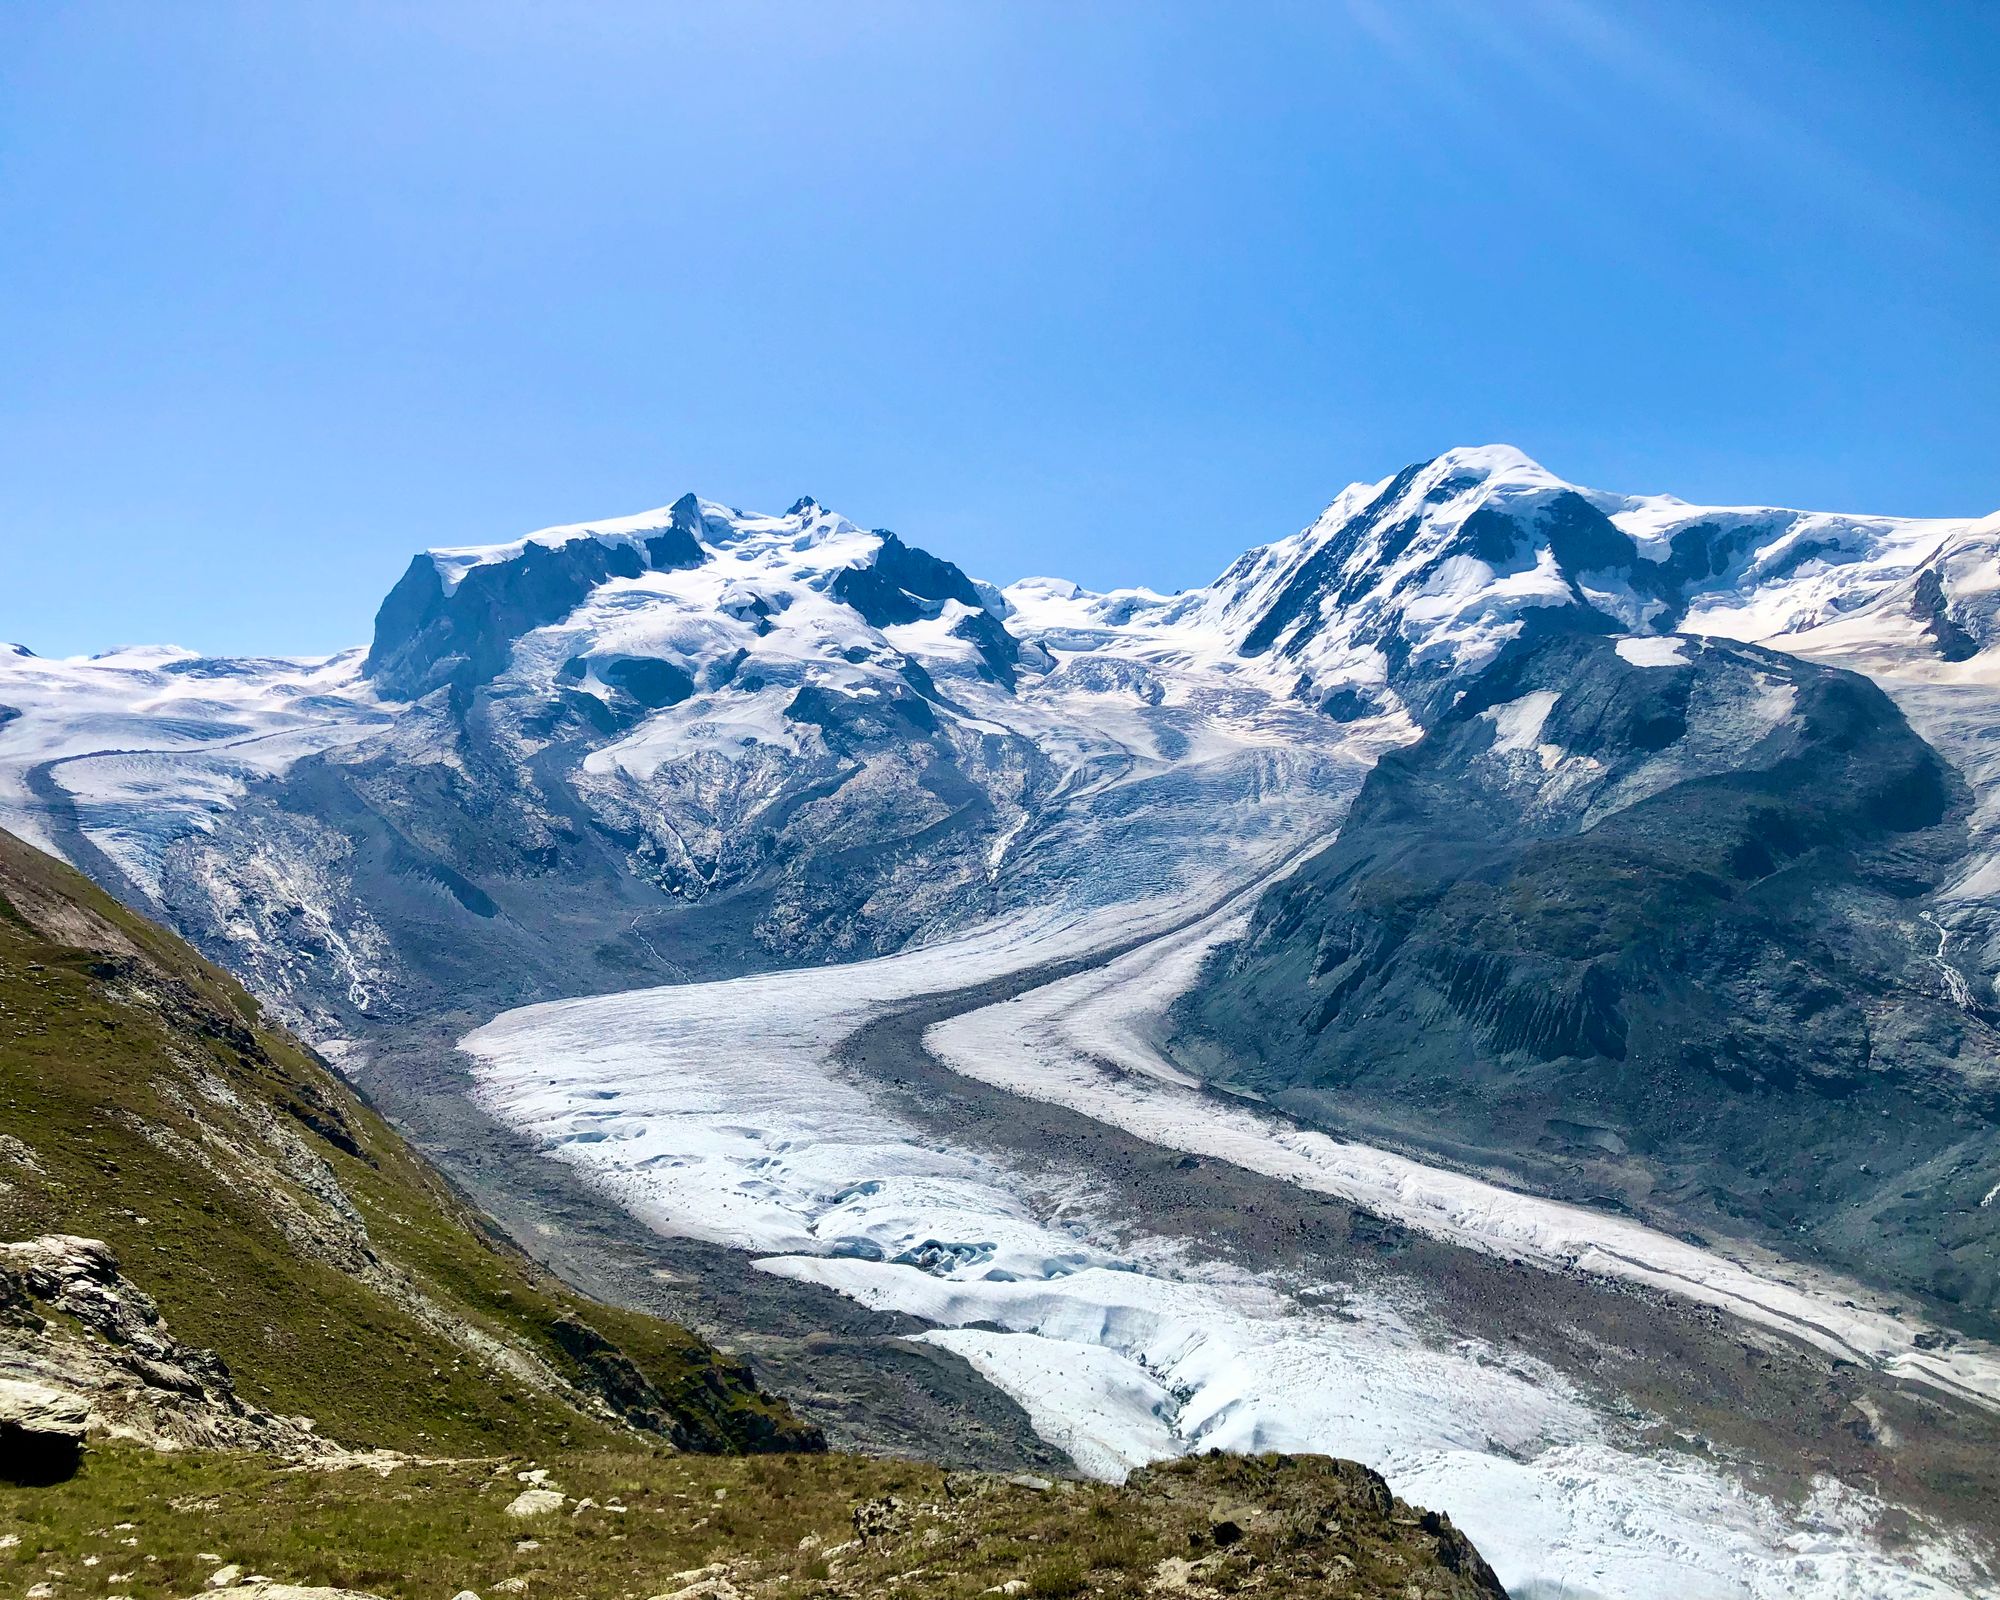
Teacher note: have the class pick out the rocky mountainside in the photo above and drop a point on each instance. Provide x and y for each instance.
(218, 1239)
(1651, 922)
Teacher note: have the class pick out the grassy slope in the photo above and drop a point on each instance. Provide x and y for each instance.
(1310, 1527)
(108, 1023)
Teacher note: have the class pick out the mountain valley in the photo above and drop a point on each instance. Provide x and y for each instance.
(1499, 985)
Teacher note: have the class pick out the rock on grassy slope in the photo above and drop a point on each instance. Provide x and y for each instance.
(220, 1231)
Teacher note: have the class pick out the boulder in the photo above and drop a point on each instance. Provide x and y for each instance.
(535, 1502)
(264, 1589)
(41, 1432)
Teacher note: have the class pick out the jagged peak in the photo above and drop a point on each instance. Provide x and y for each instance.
(693, 555)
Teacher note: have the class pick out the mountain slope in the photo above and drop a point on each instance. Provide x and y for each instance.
(1651, 921)
(277, 1221)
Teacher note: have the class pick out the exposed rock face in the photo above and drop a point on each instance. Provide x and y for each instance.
(903, 585)
(99, 1342)
(1648, 918)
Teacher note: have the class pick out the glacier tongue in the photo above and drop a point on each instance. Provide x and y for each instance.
(718, 1110)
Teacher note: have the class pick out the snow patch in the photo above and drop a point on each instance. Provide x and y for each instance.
(1517, 725)
(1653, 650)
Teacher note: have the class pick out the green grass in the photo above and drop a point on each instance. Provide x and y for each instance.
(423, 1531)
(782, 1525)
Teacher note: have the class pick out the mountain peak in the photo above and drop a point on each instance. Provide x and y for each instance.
(1492, 461)
(457, 614)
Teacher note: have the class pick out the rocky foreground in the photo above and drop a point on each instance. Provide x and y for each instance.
(135, 1469)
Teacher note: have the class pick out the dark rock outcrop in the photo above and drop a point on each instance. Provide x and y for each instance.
(904, 584)
(428, 636)
(128, 1374)
(1930, 606)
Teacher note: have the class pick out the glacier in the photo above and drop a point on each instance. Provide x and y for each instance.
(719, 1110)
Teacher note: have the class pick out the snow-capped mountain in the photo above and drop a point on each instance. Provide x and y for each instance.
(1402, 590)
(695, 589)
(695, 737)
(626, 750)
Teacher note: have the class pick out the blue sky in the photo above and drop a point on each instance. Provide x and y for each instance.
(1113, 291)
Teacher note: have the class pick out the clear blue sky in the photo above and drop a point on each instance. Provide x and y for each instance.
(1111, 290)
